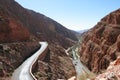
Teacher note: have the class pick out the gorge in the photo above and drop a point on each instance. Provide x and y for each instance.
(96, 55)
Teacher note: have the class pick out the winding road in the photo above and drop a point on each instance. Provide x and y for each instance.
(24, 72)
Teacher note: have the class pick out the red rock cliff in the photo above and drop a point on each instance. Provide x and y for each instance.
(101, 44)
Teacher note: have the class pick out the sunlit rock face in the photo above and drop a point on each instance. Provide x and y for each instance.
(112, 72)
(101, 44)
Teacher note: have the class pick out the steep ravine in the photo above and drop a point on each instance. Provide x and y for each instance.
(101, 44)
(82, 72)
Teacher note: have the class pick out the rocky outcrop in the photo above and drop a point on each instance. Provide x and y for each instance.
(113, 18)
(56, 65)
(112, 72)
(57, 60)
(101, 44)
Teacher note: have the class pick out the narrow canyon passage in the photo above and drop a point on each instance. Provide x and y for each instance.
(82, 72)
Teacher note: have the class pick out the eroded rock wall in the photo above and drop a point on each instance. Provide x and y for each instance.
(101, 44)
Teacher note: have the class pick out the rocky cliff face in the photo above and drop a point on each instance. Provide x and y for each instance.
(112, 72)
(56, 65)
(101, 44)
(20, 29)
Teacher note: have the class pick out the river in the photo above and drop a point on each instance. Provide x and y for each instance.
(82, 72)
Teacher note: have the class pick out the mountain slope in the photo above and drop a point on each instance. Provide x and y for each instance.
(22, 28)
(37, 24)
(101, 44)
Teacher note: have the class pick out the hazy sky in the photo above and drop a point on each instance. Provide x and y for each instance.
(73, 14)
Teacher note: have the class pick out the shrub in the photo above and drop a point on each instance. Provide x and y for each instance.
(86, 76)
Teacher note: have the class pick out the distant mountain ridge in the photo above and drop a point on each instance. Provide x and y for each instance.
(82, 31)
